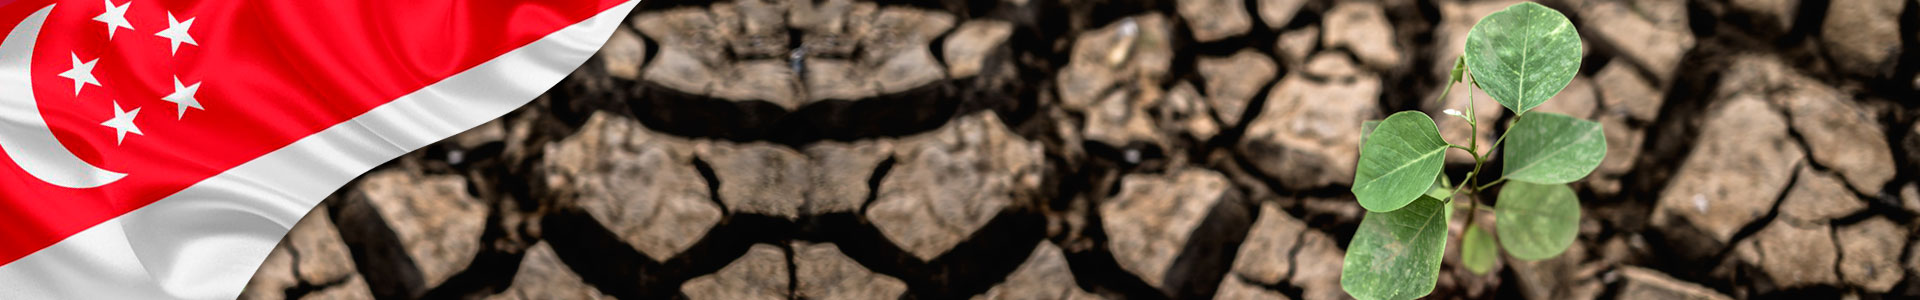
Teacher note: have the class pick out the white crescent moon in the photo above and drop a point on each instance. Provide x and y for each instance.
(23, 134)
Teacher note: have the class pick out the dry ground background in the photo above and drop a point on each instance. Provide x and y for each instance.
(1190, 149)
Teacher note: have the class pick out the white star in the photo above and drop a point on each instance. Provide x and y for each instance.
(122, 122)
(115, 17)
(177, 31)
(183, 95)
(82, 73)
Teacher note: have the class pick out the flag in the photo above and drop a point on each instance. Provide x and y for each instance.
(161, 148)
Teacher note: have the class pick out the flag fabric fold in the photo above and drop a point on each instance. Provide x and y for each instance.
(228, 120)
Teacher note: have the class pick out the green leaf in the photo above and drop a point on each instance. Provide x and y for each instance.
(1536, 221)
(1522, 55)
(1442, 188)
(1550, 148)
(1396, 255)
(1477, 250)
(1459, 67)
(1398, 161)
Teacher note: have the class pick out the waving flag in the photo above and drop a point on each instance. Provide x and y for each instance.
(160, 148)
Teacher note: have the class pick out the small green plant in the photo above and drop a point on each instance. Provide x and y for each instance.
(1521, 56)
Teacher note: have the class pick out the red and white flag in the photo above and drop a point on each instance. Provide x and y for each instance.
(160, 148)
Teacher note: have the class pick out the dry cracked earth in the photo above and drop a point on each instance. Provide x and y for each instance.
(1087, 149)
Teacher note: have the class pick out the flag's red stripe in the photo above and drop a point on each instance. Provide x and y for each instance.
(272, 72)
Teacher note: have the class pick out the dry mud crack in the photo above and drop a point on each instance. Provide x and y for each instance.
(1183, 149)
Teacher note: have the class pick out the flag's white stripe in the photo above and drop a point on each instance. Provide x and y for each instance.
(206, 241)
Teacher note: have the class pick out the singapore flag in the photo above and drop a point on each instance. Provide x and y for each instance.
(160, 148)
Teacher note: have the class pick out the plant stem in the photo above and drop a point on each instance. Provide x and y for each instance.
(1473, 210)
(1473, 126)
(1490, 184)
(1456, 190)
(1490, 149)
(1503, 134)
(1473, 177)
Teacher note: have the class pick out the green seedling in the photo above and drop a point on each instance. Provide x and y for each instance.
(1520, 56)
